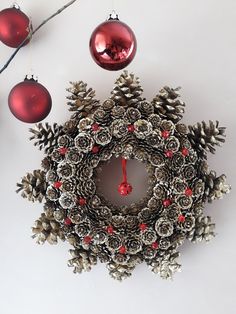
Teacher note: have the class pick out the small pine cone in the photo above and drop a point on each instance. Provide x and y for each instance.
(46, 136)
(165, 265)
(33, 186)
(82, 260)
(82, 99)
(145, 108)
(203, 230)
(167, 104)
(215, 187)
(204, 137)
(127, 90)
(47, 229)
(102, 117)
(119, 272)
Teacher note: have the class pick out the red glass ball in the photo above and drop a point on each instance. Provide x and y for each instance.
(125, 189)
(29, 101)
(113, 45)
(14, 27)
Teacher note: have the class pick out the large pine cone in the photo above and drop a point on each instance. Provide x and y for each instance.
(167, 104)
(204, 230)
(82, 260)
(119, 272)
(215, 187)
(127, 90)
(33, 186)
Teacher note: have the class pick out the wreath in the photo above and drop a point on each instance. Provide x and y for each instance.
(125, 126)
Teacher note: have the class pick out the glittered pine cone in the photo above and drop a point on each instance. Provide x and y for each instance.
(145, 108)
(172, 212)
(118, 271)
(82, 229)
(148, 236)
(155, 120)
(64, 141)
(178, 185)
(67, 200)
(102, 117)
(82, 260)
(184, 201)
(108, 104)
(204, 230)
(167, 125)
(114, 242)
(157, 159)
(51, 176)
(172, 144)
(74, 156)
(181, 128)
(119, 128)
(84, 172)
(189, 172)
(154, 139)
(133, 245)
(86, 188)
(52, 194)
(103, 136)
(163, 174)
(69, 185)
(142, 128)
(147, 215)
(164, 227)
(177, 162)
(84, 142)
(65, 170)
(118, 112)
(132, 114)
(164, 244)
(187, 224)
(85, 124)
(56, 156)
(215, 187)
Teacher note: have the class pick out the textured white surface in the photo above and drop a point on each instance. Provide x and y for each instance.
(180, 42)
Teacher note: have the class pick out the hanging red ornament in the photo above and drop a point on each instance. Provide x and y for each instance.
(14, 26)
(124, 188)
(113, 44)
(29, 101)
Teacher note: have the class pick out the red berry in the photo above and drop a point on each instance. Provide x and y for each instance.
(67, 221)
(87, 239)
(131, 128)
(95, 127)
(165, 134)
(57, 184)
(166, 202)
(169, 153)
(181, 218)
(155, 245)
(95, 149)
(110, 229)
(188, 192)
(82, 201)
(143, 227)
(63, 150)
(185, 152)
(122, 249)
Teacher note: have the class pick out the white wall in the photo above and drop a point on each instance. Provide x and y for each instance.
(180, 42)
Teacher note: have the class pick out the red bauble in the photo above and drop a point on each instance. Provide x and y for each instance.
(14, 27)
(113, 45)
(29, 101)
(125, 189)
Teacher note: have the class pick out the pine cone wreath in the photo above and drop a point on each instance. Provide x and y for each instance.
(125, 126)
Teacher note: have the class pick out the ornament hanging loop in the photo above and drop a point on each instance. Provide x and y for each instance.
(113, 16)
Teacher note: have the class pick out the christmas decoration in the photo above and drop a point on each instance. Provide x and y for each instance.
(113, 44)
(29, 101)
(125, 126)
(14, 27)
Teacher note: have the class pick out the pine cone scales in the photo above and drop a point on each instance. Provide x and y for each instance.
(82, 260)
(127, 90)
(45, 136)
(204, 230)
(167, 106)
(81, 99)
(204, 137)
(47, 229)
(33, 186)
(119, 272)
(215, 187)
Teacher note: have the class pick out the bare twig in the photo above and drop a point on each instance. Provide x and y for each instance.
(32, 32)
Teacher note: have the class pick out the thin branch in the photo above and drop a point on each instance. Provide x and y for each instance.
(32, 32)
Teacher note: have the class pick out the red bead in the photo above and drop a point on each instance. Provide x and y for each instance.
(155, 245)
(188, 192)
(67, 221)
(166, 202)
(181, 218)
(113, 45)
(143, 227)
(14, 27)
(87, 239)
(29, 101)
(63, 150)
(125, 188)
(122, 249)
(110, 229)
(169, 153)
(165, 134)
(131, 128)
(82, 201)
(95, 127)
(57, 184)
(95, 149)
(185, 152)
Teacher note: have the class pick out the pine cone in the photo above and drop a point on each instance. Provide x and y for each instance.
(165, 265)
(215, 187)
(204, 137)
(203, 230)
(167, 105)
(45, 136)
(119, 272)
(82, 260)
(127, 90)
(82, 99)
(47, 229)
(33, 186)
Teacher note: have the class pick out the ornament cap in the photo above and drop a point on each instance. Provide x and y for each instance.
(31, 77)
(113, 16)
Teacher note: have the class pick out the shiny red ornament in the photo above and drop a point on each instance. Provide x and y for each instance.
(113, 45)
(125, 188)
(14, 27)
(29, 101)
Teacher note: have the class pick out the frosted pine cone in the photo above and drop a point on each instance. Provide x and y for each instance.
(82, 260)
(204, 230)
